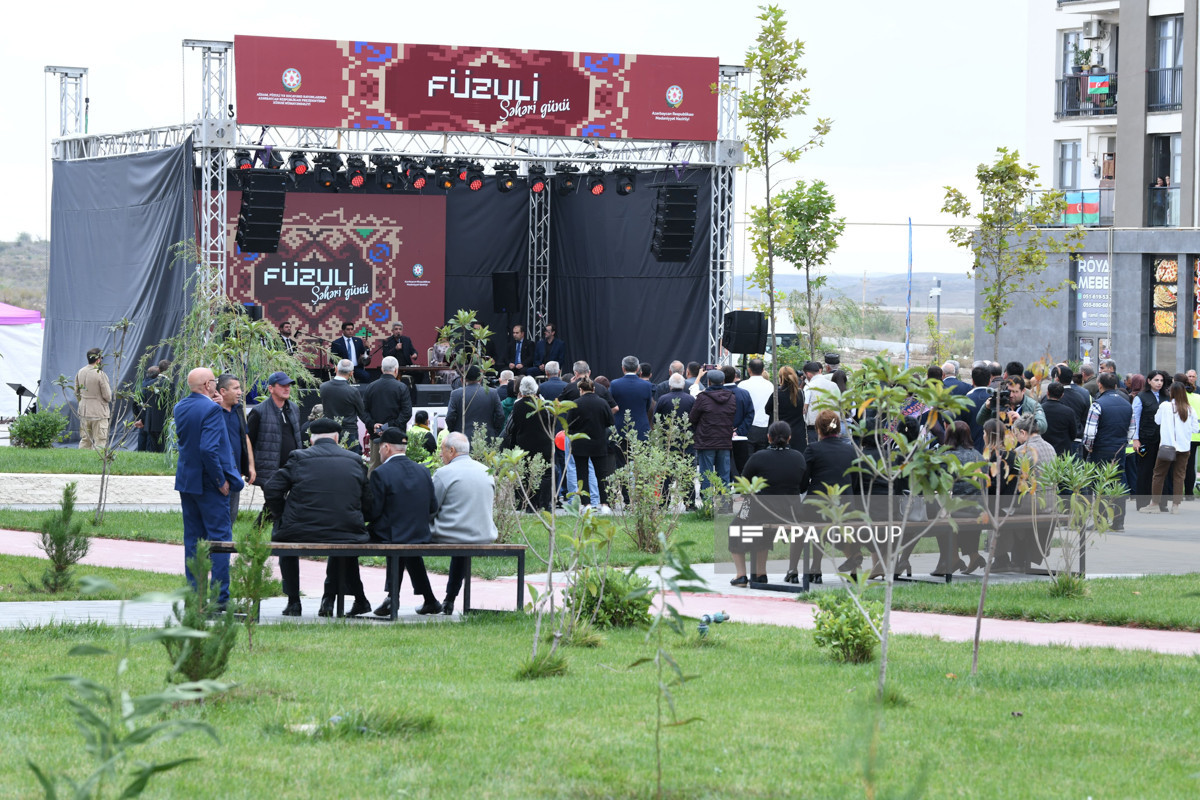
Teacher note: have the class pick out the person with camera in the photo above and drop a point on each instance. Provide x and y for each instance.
(1009, 402)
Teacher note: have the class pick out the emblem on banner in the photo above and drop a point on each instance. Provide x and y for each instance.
(418, 270)
(291, 79)
(675, 96)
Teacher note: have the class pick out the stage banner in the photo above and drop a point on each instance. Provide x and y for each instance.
(316, 83)
(365, 259)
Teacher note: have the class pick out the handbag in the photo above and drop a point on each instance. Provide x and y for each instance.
(1165, 453)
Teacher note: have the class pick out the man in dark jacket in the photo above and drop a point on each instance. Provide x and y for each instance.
(474, 406)
(320, 496)
(1062, 427)
(343, 402)
(633, 395)
(387, 403)
(1106, 433)
(712, 427)
(402, 504)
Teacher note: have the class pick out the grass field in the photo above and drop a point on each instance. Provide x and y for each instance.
(71, 461)
(777, 718)
(16, 570)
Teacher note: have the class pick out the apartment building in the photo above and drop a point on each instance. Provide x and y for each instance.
(1112, 103)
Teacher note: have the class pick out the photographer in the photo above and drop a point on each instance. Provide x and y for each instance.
(1012, 401)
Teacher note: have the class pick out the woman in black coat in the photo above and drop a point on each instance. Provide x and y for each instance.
(784, 470)
(593, 416)
(788, 398)
(829, 460)
(533, 433)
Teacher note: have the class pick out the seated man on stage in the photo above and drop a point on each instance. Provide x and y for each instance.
(403, 502)
(399, 347)
(351, 348)
(520, 352)
(463, 494)
(319, 496)
(549, 348)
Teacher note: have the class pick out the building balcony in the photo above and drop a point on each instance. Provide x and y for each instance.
(1086, 95)
(1162, 207)
(1164, 89)
(1091, 208)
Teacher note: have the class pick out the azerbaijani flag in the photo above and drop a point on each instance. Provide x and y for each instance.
(1083, 208)
(1097, 84)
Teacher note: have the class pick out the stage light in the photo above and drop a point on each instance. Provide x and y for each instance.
(565, 178)
(269, 158)
(242, 159)
(472, 176)
(356, 172)
(506, 177)
(445, 176)
(328, 165)
(537, 178)
(626, 180)
(386, 176)
(596, 181)
(298, 164)
(417, 176)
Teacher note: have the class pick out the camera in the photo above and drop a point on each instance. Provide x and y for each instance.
(1002, 396)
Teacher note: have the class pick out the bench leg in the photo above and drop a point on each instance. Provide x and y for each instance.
(467, 588)
(521, 581)
(393, 563)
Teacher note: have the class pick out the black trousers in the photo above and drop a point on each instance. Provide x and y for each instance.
(459, 565)
(415, 565)
(339, 570)
(1145, 474)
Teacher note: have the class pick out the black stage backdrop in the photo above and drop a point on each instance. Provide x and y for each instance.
(113, 221)
(609, 296)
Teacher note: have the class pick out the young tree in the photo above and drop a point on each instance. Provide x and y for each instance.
(807, 233)
(764, 111)
(1009, 239)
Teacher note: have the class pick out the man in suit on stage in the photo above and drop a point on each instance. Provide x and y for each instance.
(352, 349)
(205, 475)
(399, 347)
(403, 503)
(520, 352)
(549, 348)
(342, 401)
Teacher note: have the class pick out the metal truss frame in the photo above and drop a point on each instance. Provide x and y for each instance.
(72, 100)
(217, 135)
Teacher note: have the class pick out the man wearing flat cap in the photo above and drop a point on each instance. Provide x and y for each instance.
(402, 504)
(319, 496)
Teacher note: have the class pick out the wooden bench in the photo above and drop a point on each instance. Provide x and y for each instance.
(393, 552)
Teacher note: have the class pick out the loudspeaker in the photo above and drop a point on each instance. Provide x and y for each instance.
(260, 218)
(674, 223)
(253, 311)
(745, 332)
(432, 394)
(505, 295)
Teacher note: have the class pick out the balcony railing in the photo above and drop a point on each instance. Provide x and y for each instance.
(1164, 89)
(1162, 206)
(1086, 95)
(1091, 208)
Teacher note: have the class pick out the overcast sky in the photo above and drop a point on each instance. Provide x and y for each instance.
(917, 100)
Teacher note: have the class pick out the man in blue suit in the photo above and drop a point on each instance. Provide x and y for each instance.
(205, 475)
(634, 395)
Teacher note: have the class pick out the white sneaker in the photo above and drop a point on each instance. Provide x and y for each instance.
(1175, 508)
(1151, 509)
(605, 511)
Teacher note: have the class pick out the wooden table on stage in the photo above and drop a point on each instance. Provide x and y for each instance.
(419, 370)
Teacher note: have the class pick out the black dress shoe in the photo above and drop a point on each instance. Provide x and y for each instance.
(361, 606)
(758, 579)
(326, 609)
(814, 577)
(292, 609)
(851, 564)
(976, 561)
(791, 577)
(448, 607)
(430, 607)
(384, 609)
(742, 581)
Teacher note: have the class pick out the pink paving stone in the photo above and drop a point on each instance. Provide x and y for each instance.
(782, 611)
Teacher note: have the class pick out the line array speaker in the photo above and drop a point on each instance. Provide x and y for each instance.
(745, 332)
(674, 223)
(260, 219)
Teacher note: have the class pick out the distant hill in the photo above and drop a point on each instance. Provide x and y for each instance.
(958, 291)
(24, 267)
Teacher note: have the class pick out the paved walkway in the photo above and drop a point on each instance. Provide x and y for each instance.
(744, 605)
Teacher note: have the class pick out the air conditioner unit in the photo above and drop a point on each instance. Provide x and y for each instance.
(1093, 29)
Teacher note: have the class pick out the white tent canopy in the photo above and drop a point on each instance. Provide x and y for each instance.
(20, 354)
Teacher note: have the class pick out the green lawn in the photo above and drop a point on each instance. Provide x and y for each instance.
(15, 570)
(70, 460)
(167, 526)
(778, 718)
(1152, 601)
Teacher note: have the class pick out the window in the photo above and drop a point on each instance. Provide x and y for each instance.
(1066, 177)
(1071, 40)
(1165, 75)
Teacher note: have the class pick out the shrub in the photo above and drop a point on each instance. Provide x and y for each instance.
(844, 630)
(40, 429)
(64, 542)
(618, 599)
(206, 657)
(656, 478)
